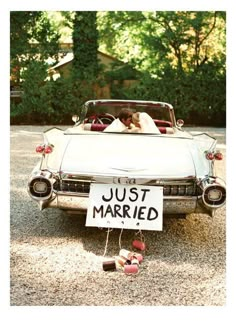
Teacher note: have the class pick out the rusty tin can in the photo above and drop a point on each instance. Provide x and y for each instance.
(131, 269)
(126, 254)
(109, 265)
(123, 261)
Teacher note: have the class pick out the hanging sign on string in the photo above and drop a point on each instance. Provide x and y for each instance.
(125, 206)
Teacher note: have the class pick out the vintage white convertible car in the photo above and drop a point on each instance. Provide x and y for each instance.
(127, 179)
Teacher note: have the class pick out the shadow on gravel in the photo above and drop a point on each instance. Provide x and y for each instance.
(195, 240)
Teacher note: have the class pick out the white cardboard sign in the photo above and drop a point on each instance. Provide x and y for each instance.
(125, 206)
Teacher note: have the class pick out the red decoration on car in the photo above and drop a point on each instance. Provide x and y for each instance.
(46, 149)
(210, 155)
(40, 148)
(218, 156)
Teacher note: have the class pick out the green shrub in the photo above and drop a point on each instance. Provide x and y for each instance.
(200, 99)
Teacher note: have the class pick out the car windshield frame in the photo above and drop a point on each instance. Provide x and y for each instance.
(157, 110)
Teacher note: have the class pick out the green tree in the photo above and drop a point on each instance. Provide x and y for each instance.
(158, 40)
(85, 46)
(32, 37)
(33, 40)
(181, 55)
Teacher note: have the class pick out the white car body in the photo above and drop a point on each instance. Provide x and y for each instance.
(180, 163)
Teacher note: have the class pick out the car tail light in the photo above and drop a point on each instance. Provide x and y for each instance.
(40, 148)
(46, 149)
(210, 155)
(218, 156)
(214, 155)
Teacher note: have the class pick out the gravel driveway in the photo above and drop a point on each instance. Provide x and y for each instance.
(56, 260)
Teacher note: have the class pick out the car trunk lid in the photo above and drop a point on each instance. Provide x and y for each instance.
(129, 155)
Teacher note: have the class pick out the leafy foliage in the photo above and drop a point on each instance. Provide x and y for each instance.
(198, 99)
(33, 40)
(85, 46)
(181, 56)
(176, 57)
(32, 37)
(155, 41)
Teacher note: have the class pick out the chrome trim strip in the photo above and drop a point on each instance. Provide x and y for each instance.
(171, 188)
(175, 205)
(104, 178)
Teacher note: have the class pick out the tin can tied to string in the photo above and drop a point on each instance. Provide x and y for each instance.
(135, 262)
(109, 265)
(126, 254)
(138, 256)
(131, 269)
(130, 255)
(139, 245)
(122, 261)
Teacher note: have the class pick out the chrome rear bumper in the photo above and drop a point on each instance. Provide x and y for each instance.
(175, 205)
